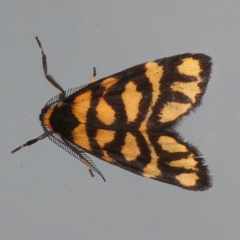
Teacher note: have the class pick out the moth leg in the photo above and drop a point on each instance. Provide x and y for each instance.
(48, 76)
(30, 142)
(80, 155)
(88, 167)
(94, 75)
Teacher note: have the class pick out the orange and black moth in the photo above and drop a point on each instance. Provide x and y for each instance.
(128, 118)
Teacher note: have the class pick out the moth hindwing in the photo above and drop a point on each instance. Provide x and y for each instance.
(127, 119)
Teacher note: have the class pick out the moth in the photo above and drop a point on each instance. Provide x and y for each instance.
(128, 119)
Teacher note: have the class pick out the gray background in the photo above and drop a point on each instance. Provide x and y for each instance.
(47, 194)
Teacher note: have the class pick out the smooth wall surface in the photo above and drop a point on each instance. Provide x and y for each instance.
(47, 194)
